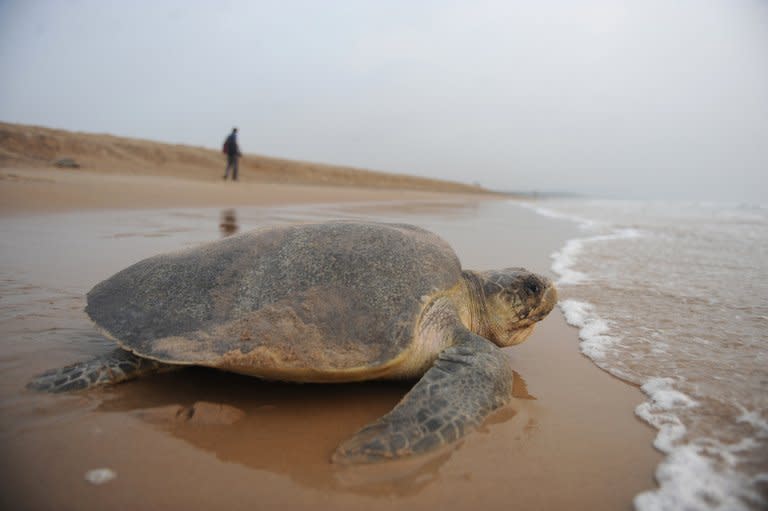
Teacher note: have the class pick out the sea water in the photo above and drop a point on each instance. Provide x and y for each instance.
(674, 297)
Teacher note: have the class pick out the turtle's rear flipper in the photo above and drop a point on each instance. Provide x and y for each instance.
(466, 383)
(114, 367)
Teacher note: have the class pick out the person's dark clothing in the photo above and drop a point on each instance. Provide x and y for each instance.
(232, 148)
(233, 153)
(231, 163)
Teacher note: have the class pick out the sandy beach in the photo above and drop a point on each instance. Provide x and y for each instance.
(569, 439)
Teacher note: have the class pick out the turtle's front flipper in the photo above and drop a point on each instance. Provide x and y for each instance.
(114, 367)
(467, 382)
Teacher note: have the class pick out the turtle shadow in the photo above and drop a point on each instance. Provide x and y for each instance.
(283, 428)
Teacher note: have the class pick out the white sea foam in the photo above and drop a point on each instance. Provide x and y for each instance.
(754, 419)
(592, 328)
(582, 222)
(660, 411)
(689, 481)
(563, 261)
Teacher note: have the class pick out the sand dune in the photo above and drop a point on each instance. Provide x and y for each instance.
(24, 146)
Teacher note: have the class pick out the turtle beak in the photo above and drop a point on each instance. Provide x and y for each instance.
(548, 300)
(547, 303)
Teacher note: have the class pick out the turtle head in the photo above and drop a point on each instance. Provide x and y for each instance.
(506, 304)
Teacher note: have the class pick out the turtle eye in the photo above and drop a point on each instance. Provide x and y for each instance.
(532, 286)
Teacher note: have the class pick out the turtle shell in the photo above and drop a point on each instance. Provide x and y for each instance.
(304, 302)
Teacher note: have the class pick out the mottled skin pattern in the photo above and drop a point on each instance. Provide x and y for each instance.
(466, 383)
(339, 301)
(114, 367)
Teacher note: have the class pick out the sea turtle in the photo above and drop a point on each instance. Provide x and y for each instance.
(340, 301)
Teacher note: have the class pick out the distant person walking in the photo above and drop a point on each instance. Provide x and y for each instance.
(232, 150)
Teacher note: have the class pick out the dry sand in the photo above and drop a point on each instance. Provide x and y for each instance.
(118, 172)
(569, 440)
(36, 147)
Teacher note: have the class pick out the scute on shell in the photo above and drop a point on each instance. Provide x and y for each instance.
(310, 299)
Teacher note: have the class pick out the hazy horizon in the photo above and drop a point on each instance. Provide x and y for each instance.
(635, 99)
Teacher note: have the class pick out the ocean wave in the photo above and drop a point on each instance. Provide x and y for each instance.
(582, 222)
(703, 468)
(564, 260)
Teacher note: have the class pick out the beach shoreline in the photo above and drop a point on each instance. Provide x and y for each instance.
(569, 440)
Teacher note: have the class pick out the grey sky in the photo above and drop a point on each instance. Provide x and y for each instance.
(634, 98)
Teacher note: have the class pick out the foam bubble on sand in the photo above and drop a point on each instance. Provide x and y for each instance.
(100, 475)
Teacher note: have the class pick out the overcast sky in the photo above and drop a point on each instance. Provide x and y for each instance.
(628, 98)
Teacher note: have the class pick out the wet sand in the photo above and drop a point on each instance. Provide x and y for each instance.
(199, 439)
(43, 190)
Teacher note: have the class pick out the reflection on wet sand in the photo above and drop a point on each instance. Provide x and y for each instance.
(228, 225)
(288, 429)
